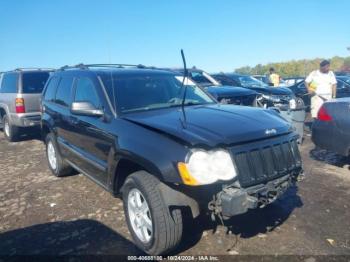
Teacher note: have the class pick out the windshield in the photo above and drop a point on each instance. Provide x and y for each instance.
(34, 82)
(146, 92)
(249, 81)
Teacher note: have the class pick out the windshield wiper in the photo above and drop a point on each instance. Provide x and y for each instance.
(188, 104)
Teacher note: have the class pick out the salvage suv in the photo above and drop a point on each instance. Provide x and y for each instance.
(165, 146)
(20, 93)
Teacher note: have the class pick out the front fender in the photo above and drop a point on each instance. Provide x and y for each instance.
(155, 152)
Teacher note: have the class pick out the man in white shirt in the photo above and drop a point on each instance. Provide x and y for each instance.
(322, 85)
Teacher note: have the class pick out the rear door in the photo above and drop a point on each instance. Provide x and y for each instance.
(31, 87)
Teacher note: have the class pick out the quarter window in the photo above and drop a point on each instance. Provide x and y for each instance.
(86, 92)
(9, 83)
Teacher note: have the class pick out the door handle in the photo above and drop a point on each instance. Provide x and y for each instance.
(73, 121)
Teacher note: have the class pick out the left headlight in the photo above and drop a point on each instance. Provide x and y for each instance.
(206, 167)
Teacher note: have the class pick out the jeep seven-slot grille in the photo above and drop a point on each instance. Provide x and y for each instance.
(262, 164)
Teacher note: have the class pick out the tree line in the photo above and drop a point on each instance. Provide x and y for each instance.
(296, 67)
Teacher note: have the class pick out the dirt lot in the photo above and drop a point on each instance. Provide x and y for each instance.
(42, 214)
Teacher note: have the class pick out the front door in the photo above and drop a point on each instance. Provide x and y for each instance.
(90, 140)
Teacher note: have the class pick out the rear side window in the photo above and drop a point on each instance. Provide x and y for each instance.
(63, 94)
(34, 82)
(51, 89)
(86, 92)
(9, 83)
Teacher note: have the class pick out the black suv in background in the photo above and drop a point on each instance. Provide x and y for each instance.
(224, 94)
(280, 97)
(165, 147)
(20, 93)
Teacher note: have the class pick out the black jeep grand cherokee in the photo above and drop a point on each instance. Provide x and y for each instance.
(135, 133)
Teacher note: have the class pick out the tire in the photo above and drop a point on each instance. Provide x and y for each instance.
(166, 224)
(57, 165)
(11, 132)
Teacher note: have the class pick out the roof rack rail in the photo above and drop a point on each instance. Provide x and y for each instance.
(116, 65)
(87, 66)
(33, 68)
(82, 66)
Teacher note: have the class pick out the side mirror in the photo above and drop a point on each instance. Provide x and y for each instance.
(86, 109)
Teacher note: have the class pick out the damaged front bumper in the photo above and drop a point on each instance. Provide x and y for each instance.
(233, 201)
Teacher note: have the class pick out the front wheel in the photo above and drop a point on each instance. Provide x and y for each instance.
(154, 227)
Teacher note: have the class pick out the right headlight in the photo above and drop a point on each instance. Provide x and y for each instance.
(206, 167)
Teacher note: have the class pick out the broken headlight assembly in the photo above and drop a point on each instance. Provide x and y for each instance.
(206, 167)
(272, 98)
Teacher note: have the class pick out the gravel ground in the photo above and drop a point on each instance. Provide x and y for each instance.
(42, 214)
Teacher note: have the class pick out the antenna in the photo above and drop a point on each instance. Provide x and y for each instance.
(183, 83)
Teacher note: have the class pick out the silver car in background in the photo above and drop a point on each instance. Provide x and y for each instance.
(20, 94)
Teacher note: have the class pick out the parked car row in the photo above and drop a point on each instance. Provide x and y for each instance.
(226, 88)
(156, 139)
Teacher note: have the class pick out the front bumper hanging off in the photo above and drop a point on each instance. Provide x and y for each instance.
(233, 201)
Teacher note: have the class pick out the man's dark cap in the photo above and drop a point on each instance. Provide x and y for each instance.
(272, 69)
(324, 63)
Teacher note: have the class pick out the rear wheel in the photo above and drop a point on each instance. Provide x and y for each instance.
(56, 163)
(11, 132)
(154, 227)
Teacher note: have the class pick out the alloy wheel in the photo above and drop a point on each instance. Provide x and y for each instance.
(140, 215)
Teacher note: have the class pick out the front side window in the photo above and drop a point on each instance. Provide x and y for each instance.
(63, 94)
(140, 93)
(86, 92)
(9, 83)
(34, 82)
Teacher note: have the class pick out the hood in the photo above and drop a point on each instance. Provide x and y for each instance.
(229, 91)
(213, 125)
(273, 90)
